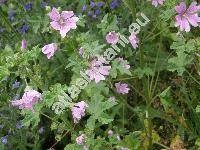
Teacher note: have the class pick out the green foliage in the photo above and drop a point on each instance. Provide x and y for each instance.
(108, 23)
(161, 105)
(141, 72)
(180, 62)
(118, 68)
(97, 108)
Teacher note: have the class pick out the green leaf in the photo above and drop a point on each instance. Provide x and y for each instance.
(198, 109)
(30, 118)
(167, 14)
(181, 45)
(97, 108)
(109, 23)
(165, 98)
(179, 63)
(141, 72)
(72, 147)
(119, 68)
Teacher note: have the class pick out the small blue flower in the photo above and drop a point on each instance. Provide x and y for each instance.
(92, 4)
(28, 6)
(4, 139)
(84, 8)
(114, 4)
(19, 125)
(24, 29)
(11, 15)
(43, 4)
(89, 13)
(16, 85)
(100, 4)
(97, 12)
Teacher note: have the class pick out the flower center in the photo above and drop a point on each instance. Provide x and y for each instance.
(61, 21)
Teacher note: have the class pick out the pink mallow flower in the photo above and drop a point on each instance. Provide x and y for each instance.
(134, 40)
(78, 111)
(27, 101)
(97, 71)
(63, 22)
(23, 44)
(50, 49)
(123, 62)
(80, 139)
(122, 88)
(156, 2)
(110, 133)
(112, 37)
(186, 16)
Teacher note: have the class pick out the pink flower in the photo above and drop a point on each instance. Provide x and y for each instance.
(156, 2)
(29, 98)
(122, 88)
(97, 71)
(81, 139)
(112, 37)
(124, 63)
(110, 133)
(23, 44)
(63, 22)
(50, 49)
(186, 16)
(78, 111)
(134, 40)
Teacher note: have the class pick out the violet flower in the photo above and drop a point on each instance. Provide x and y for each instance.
(122, 88)
(112, 37)
(27, 101)
(80, 139)
(134, 40)
(78, 111)
(97, 71)
(63, 22)
(186, 16)
(50, 49)
(156, 2)
(24, 44)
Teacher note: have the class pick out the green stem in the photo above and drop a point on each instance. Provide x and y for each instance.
(147, 121)
(131, 4)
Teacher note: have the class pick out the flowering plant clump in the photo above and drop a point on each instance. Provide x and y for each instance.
(63, 22)
(78, 111)
(97, 71)
(50, 49)
(99, 74)
(29, 98)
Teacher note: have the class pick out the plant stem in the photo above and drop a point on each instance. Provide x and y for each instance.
(147, 121)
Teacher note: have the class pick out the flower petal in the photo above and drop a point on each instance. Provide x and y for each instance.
(181, 8)
(67, 14)
(193, 8)
(55, 25)
(54, 14)
(194, 19)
